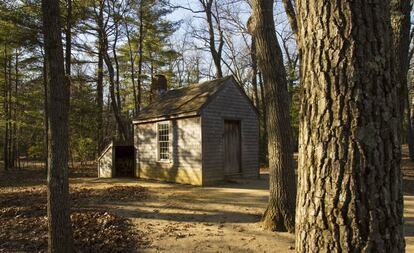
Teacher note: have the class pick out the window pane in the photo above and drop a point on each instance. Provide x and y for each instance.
(163, 141)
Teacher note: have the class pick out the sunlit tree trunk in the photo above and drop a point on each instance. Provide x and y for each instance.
(280, 212)
(349, 196)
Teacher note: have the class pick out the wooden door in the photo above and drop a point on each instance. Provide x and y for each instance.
(232, 147)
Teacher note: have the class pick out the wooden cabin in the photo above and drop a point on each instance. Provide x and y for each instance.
(200, 135)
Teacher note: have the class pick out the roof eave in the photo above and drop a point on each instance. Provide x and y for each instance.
(167, 117)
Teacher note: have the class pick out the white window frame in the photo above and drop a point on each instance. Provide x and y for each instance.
(169, 142)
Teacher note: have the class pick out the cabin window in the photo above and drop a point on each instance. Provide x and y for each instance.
(164, 141)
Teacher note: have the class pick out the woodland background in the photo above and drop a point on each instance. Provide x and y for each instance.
(115, 48)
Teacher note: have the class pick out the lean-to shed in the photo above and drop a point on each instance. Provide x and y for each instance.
(117, 160)
(199, 135)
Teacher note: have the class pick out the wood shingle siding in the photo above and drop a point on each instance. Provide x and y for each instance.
(229, 104)
(185, 146)
(105, 163)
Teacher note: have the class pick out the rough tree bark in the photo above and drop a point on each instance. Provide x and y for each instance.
(401, 25)
(349, 196)
(58, 207)
(280, 212)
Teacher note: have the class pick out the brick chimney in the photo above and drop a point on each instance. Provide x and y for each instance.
(158, 86)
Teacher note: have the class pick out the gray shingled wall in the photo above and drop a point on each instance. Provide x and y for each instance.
(185, 165)
(231, 104)
(105, 163)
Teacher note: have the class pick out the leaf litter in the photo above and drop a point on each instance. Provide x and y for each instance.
(23, 217)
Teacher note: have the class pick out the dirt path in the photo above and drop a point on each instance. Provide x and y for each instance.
(180, 218)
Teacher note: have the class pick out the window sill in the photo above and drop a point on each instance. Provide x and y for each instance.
(164, 161)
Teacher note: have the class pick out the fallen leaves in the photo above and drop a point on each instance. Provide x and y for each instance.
(100, 231)
(23, 218)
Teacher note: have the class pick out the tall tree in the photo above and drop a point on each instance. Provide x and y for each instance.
(349, 196)
(60, 232)
(6, 156)
(280, 212)
(212, 17)
(401, 25)
(100, 73)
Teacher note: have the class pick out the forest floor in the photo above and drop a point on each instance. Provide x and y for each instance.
(130, 215)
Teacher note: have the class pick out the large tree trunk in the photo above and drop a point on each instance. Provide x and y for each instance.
(280, 212)
(60, 232)
(400, 22)
(350, 196)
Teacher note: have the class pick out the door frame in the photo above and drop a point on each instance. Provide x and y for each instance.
(239, 120)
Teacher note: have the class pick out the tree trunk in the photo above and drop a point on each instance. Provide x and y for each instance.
(115, 107)
(215, 51)
(117, 81)
(400, 22)
(68, 49)
(46, 115)
(263, 117)
(6, 109)
(15, 109)
(99, 84)
(60, 228)
(10, 144)
(254, 72)
(132, 62)
(280, 212)
(350, 196)
(140, 53)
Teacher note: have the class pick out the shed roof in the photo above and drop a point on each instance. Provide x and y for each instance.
(182, 100)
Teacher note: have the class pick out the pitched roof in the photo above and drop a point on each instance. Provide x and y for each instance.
(182, 100)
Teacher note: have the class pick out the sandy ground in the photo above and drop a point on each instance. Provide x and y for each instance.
(225, 218)
(180, 218)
